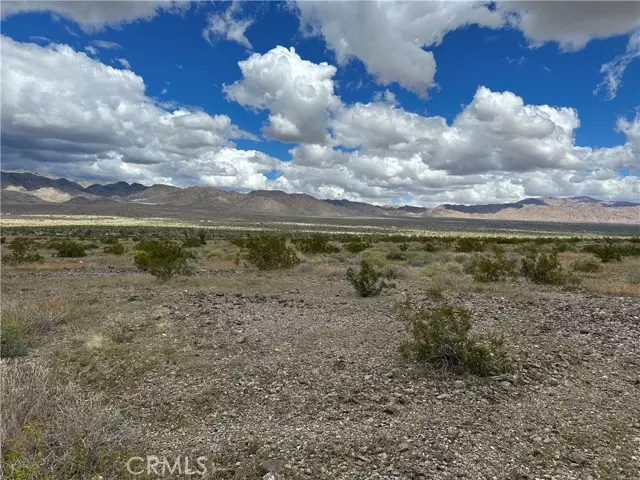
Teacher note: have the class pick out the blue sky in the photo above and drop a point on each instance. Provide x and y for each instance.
(182, 70)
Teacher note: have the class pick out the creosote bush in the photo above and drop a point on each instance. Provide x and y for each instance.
(487, 269)
(368, 281)
(162, 258)
(67, 248)
(315, 245)
(606, 253)
(114, 249)
(468, 244)
(192, 242)
(23, 250)
(356, 246)
(586, 265)
(442, 337)
(541, 267)
(270, 252)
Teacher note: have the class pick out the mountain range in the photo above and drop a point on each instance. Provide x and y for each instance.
(35, 190)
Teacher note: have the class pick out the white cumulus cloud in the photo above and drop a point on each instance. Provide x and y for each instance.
(297, 93)
(63, 111)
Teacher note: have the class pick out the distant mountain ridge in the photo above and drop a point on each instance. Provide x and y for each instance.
(28, 188)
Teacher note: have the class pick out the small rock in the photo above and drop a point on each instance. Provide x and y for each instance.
(390, 409)
(443, 396)
(242, 339)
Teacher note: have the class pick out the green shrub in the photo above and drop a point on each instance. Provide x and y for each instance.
(191, 242)
(443, 338)
(109, 240)
(67, 248)
(13, 339)
(487, 269)
(356, 246)
(606, 253)
(315, 245)
(367, 281)
(429, 247)
(468, 244)
(3, 240)
(270, 252)
(586, 265)
(202, 236)
(403, 247)
(541, 267)
(238, 241)
(114, 249)
(377, 259)
(23, 250)
(395, 255)
(162, 258)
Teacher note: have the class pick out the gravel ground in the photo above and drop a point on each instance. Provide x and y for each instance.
(296, 377)
(291, 375)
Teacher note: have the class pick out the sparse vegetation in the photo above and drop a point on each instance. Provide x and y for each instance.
(586, 265)
(368, 281)
(192, 242)
(542, 267)
(114, 249)
(162, 258)
(443, 338)
(49, 430)
(469, 244)
(487, 269)
(270, 252)
(23, 250)
(67, 248)
(315, 245)
(606, 253)
(356, 246)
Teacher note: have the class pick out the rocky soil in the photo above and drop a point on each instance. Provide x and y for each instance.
(296, 377)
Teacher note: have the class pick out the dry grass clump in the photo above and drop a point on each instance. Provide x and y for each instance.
(51, 430)
(23, 323)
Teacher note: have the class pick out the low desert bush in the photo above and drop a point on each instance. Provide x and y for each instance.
(67, 248)
(315, 245)
(541, 267)
(396, 255)
(23, 250)
(442, 337)
(491, 269)
(50, 430)
(368, 281)
(114, 249)
(429, 247)
(162, 258)
(469, 244)
(356, 246)
(586, 265)
(13, 339)
(202, 236)
(270, 252)
(191, 242)
(606, 253)
(109, 240)
(375, 258)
